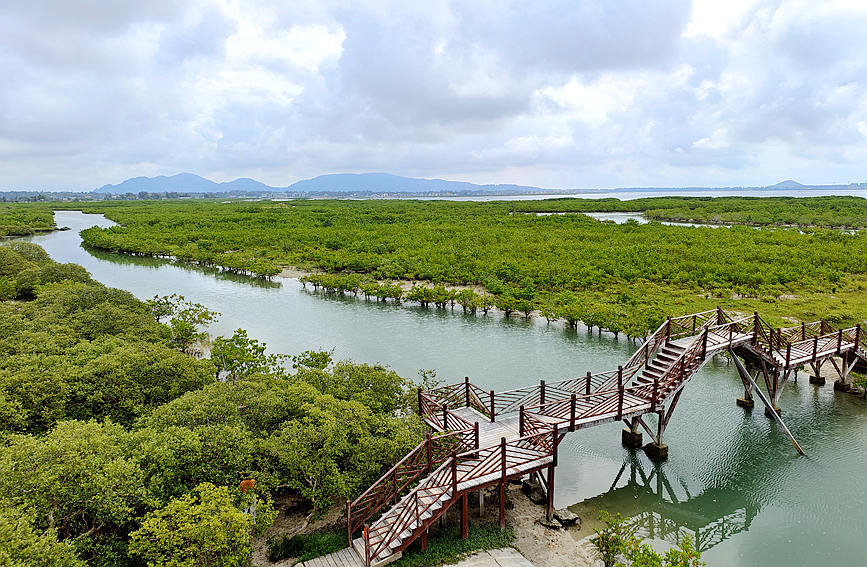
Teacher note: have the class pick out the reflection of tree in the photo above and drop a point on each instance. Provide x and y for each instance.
(150, 262)
(658, 510)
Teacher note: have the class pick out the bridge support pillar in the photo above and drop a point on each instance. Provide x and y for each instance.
(481, 502)
(776, 409)
(656, 451)
(502, 504)
(842, 386)
(817, 377)
(465, 515)
(745, 402)
(549, 503)
(631, 438)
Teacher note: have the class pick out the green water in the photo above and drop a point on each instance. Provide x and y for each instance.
(732, 479)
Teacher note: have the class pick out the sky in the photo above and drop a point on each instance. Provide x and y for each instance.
(561, 94)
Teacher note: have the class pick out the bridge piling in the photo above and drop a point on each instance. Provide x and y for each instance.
(631, 436)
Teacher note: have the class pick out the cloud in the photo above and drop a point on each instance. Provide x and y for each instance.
(564, 94)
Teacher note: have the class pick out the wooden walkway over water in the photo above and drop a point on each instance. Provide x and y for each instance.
(483, 438)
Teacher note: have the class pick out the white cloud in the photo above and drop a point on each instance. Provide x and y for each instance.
(563, 93)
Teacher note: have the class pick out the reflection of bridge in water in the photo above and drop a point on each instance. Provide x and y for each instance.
(659, 509)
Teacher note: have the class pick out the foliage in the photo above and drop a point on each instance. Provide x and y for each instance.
(21, 545)
(241, 357)
(76, 480)
(185, 319)
(201, 528)
(617, 544)
(17, 220)
(526, 261)
(154, 424)
(303, 547)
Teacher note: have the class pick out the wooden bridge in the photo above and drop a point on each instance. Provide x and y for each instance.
(484, 438)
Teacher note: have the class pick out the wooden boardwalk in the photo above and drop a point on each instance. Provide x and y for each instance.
(486, 438)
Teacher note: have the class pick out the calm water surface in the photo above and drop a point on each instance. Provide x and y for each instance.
(732, 481)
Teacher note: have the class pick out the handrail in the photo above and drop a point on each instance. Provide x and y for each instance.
(429, 452)
(446, 481)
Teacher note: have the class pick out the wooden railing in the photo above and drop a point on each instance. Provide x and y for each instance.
(426, 456)
(461, 472)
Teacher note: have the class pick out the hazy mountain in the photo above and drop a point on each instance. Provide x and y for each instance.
(787, 184)
(332, 183)
(182, 183)
(388, 183)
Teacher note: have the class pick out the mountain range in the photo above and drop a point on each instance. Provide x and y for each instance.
(381, 183)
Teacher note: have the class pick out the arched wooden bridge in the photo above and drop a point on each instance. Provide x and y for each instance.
(486, 438)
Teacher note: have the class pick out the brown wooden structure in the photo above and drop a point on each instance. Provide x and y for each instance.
(484, 438)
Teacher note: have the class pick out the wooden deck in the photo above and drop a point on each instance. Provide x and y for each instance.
(344, 558)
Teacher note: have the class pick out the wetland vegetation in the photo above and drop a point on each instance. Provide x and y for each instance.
(621, 277)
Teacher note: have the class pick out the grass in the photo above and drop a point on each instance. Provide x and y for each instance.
(307, 546)
(444, 546)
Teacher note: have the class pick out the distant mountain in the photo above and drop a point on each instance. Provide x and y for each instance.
(331, 183)
(182, 183)
(787, 184)
(388, 183)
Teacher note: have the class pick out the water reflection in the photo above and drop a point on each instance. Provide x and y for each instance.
(156, 263)
(658, 505)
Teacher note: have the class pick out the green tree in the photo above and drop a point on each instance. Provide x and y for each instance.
(22, 545)
(201, 529)
(240, 357)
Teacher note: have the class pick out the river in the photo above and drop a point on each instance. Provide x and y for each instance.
(732, 479)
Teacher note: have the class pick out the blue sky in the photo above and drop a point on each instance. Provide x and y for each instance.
(569, 94)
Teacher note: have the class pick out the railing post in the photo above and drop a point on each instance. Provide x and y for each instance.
(429, 446)
(756, 329)
(420, 411)
(572, 413)
(394, 483)
(349, 522)
(654, 394)
(587, 385)
(619, 393)
(667, 329)
(788, 354)
(857, 335)
(779, 336)
(445, 416)
(542, 394)
(366, 545)
(503, 458)
(704, 344)
(467, 389)
(521, 422)
(554, 443)
(454, 476)
(815, 348)
(492, 406)
(839, 340)
(476, 433)
(720, 316)
(803, 331)
(646, 354)
(693, 324)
